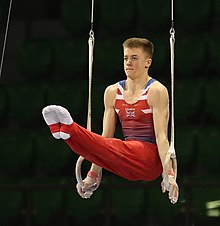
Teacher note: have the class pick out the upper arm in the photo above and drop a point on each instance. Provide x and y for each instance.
(109, 118)
(158, 99)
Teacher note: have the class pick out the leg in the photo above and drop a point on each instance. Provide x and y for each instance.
(133, 160)
(52, 120)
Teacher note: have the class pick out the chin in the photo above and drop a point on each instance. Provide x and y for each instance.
(131, 77)
(129, 74)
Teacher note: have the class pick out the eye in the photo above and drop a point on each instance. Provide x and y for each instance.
(134, 58)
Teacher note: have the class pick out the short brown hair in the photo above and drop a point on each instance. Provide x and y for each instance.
(143, 43)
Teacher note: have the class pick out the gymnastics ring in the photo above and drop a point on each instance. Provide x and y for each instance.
(79, 176)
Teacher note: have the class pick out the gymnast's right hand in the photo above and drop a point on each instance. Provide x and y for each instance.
(86, 190)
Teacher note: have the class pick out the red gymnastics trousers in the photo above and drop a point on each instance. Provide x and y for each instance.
(130, 159)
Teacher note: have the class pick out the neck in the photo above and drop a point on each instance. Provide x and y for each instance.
(136, 84)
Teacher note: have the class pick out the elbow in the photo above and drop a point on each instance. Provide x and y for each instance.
(161, 138)
(162, 141)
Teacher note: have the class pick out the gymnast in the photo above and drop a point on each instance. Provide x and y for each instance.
(141, 103)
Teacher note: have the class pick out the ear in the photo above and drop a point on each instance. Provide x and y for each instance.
(148, 63)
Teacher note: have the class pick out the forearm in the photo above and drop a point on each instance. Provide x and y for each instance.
(95, 168)
(109, 120)
(163, 147)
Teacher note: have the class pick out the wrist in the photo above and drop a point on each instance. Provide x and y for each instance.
(170, 172)
(94, 176)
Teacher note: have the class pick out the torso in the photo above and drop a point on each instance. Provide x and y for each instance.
(131, 98)
(135, 114)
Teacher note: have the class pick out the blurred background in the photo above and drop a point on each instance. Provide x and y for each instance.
(46, 62)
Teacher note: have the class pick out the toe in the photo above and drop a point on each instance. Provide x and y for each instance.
(50, 115)
(63, 115)
(52, 120)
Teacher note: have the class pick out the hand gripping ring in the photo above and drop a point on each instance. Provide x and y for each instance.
(79, 176)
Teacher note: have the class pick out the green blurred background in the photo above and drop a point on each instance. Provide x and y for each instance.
(46, 62)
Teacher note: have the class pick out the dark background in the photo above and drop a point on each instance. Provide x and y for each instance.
(46, 62)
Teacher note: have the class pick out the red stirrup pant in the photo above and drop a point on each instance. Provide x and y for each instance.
(131, 159)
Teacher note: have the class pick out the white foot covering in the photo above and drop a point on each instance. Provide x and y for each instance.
(63, 115)
(54, 115)
(51, 118)
(65, 118)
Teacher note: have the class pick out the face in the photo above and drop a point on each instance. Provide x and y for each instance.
(136, 62)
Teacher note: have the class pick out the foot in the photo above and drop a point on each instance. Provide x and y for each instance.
(65, 120)
(58, 119)
(52, 120)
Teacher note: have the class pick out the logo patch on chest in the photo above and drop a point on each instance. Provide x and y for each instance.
(130, 112)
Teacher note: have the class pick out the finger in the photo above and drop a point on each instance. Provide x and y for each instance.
(174, 193)
(85, 193)
(171, 191)
(88, 194)
(85, 187)
(163, 187)
(79, 190)
(173, 200)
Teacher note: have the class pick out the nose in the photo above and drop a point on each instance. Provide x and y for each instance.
(128, 61)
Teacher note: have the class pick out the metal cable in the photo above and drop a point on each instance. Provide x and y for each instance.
(5, 37)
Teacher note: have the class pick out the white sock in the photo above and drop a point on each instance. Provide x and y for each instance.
(50, 117)
(63, 115)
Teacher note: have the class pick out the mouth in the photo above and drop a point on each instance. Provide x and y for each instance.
(129, 69)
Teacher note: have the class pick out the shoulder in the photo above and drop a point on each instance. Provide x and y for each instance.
(110, 95)
(111, 89)
(158, 87)
(157, 93)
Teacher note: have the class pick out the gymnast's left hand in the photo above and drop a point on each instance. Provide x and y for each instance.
(169, 183)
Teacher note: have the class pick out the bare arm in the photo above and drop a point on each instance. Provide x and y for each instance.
(109, 124)
(109, 118)
(159, 101)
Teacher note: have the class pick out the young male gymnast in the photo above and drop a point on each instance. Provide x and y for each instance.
(142, 105)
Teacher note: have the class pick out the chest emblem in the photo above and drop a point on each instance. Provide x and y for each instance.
(130, 112)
